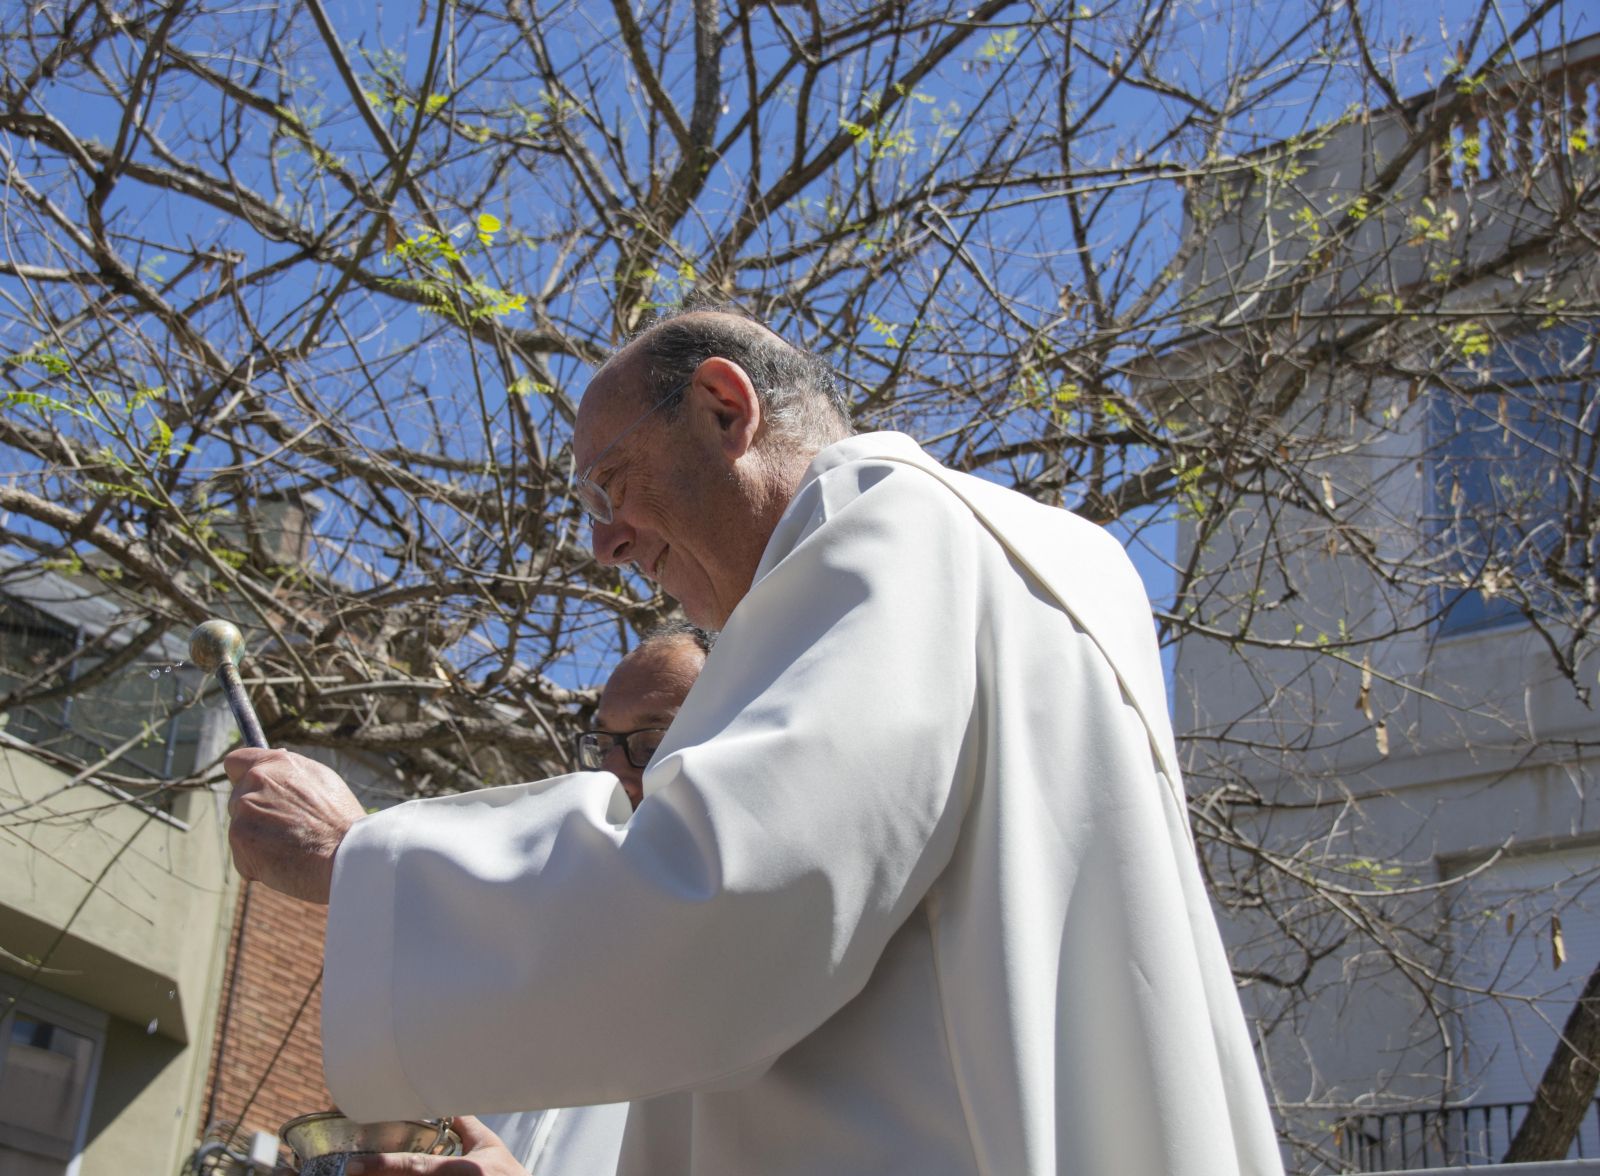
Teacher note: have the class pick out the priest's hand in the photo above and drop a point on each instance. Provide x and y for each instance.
(486, 1156)
(289, 814)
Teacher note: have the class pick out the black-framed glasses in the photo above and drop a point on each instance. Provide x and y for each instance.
(592, 496)
(638, 746)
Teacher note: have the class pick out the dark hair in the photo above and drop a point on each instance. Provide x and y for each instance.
(800, 399)
(676, 630)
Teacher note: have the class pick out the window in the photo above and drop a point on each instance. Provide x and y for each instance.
(1505, 922)
(49, 1057)
(1514, 492)
(136, 710)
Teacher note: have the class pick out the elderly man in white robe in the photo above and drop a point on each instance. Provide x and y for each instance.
(911, 888)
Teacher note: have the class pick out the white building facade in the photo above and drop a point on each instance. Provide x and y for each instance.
(1389, 678)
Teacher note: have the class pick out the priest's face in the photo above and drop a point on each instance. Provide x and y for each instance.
(682, 485)
(644, 694)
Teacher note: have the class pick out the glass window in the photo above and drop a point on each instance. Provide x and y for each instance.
(1513, 444)
(1503, 923)
(32, 645)
(46, 1068)
(139, 709)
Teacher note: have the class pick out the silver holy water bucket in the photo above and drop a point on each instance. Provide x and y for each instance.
(325, 1140)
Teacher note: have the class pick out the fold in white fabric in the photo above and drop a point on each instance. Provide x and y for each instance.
(911, 889)
(572, 1141)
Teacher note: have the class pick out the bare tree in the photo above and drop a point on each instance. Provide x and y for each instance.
(1566, 1091)
(295, 312)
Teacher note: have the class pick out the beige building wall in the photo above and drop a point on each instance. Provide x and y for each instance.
(125, 911)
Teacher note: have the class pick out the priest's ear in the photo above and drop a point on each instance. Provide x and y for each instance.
(724, 407)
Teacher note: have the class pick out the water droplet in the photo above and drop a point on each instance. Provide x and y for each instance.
(172, 994)
(166, 669)
(151, 1027)
(155, 673)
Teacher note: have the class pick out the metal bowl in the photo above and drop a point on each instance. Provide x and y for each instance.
(327, 1133)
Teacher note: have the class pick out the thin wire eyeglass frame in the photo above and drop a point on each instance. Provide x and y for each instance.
(592, 496)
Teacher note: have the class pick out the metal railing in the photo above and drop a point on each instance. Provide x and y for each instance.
(1434, 1137)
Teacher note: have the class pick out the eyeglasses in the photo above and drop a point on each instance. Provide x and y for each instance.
(590, 494)
(638, 746)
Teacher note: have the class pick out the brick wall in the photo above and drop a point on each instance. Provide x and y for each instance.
(270, 969)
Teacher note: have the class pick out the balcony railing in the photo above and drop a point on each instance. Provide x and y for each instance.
(1516, 130)
(1465, 1136)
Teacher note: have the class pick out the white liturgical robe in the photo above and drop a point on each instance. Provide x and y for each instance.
(572, 1141)
(911, 888)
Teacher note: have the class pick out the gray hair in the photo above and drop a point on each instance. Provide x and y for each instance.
(801, 402)
(678, 631)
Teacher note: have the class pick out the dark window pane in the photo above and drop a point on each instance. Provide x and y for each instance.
(44, 1084)
(1513, 448)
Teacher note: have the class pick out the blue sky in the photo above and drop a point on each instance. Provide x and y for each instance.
(433, 389)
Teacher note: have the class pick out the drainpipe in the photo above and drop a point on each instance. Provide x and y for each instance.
(227, 1008)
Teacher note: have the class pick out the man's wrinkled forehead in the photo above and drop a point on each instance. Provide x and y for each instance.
(605, 407)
